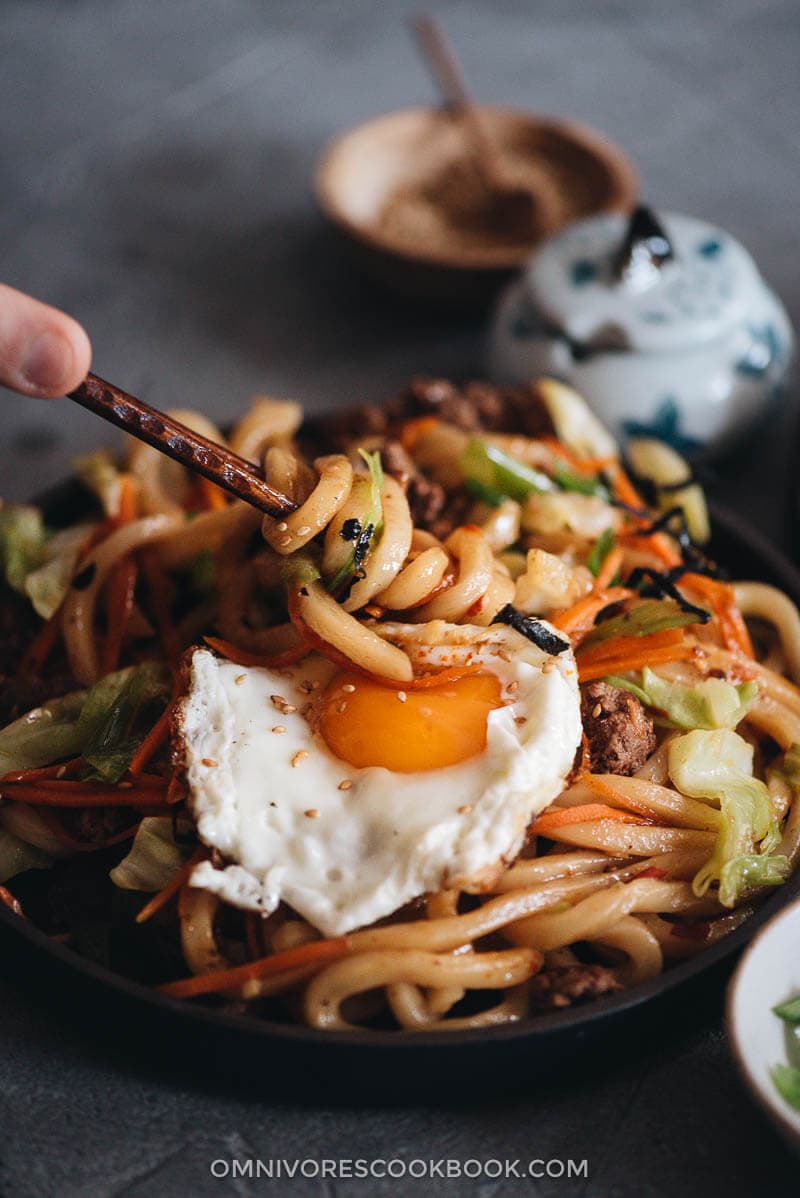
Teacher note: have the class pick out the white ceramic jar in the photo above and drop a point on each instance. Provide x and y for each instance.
(664, 325)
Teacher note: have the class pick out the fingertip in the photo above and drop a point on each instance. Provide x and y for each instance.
(56, 359)
(81, 354)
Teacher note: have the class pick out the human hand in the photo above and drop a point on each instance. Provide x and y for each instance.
(43, 352)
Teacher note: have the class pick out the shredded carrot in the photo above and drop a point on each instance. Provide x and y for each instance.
(172, 887)
(414, 429)
(656, 543)
(576, 621)
(317, 952)
(625, 491)
(85, 794)
(8, 900)
(620, 646)
(65, 769)
(610, 566)
(176, 791)
(589, 671)
(79, 785)
(578, 464)
(731, 622)
(243, 657)
(40, 647)
(128, 500)
(152, 742)
(121, 588)
(213, 497)
(122, 583)
(583, 814)
(158, 586)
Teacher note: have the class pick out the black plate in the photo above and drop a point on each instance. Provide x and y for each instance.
(291, 1059)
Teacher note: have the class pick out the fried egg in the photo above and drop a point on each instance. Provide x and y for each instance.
(347, 798)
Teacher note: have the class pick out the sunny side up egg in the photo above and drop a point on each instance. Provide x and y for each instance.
(346, 798)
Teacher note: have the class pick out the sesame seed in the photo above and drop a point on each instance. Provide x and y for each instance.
(126, 786)
(345, 784)
(306, 687)
(465, 810)
(282, 705)
(299, 756)
(210, 762)
(312, 813)
(342, 708)
(512, 688)
(283, 526)
(520, 719)
(305, 709)
(597, 710)
(239, 679)
(348, 688)
(547, 666)
(402, 696)
(304, 531)
(284, 541)
(279, 728)
(61, 771)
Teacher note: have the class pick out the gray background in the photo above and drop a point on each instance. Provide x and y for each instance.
(155, 182)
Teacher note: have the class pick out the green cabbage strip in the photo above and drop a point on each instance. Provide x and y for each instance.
(710, 704)
(35, 562)
(48, 733)
(105, 725)
(154, 857)
(718, 766)
(47, 585)
(22, 541)
(118, 712)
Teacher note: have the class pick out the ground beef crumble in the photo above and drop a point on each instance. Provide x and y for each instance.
(563, 985)
(621, 735)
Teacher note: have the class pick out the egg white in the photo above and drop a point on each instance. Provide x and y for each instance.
(266, 791)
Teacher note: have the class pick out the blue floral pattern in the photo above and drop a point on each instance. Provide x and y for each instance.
(665, 426)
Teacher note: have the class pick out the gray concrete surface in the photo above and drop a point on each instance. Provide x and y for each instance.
(155, 182)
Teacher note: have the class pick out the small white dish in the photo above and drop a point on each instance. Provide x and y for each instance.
(768, 974)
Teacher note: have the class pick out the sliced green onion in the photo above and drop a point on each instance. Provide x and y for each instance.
(490, 468)
(580, 483)
(370, 530)
(600, 551)
(652, 616)
(487, 495)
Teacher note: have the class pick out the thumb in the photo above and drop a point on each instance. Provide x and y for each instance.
(43, 352)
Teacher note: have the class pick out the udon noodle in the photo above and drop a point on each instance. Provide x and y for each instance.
(605, 893)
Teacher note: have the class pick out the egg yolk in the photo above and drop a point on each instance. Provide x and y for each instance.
(366, 724)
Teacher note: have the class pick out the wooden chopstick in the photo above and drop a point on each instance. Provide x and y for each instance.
(229, 471)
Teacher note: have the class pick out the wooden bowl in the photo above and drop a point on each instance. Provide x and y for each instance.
(363, 168)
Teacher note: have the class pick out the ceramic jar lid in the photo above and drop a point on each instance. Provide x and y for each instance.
(642, 283)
